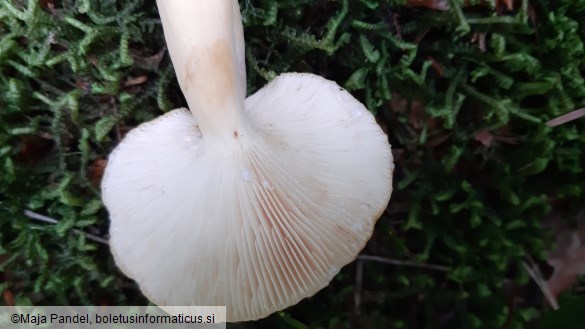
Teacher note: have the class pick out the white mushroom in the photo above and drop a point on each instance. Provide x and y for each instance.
(251, 203)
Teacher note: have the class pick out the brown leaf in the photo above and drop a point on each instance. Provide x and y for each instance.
(480, 39)
(96, 171)
(83, 84)
(436, 66)
(48, 5)
(431, 4)
(8, 297)
(507, 4)
(417, 115)
(484, 137)
(398, 103)
(568, 259)
(33, 149)
(133, 81)
(147, 62)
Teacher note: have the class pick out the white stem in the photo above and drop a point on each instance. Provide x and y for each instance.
(206, 44)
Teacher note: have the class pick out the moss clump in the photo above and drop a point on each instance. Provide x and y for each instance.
(464, 93)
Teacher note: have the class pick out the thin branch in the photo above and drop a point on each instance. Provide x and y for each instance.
(46, 219)
(390, 261)
(567, 117)
(42, 218)
(536, 275)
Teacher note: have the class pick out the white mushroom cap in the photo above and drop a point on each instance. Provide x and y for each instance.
(262, 228)
(258, 223)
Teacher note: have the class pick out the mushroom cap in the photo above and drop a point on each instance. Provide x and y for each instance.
(260, 228)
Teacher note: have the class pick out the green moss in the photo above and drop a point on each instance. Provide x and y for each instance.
(75, 77)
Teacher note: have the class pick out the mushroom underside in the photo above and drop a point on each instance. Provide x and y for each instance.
(258, 229)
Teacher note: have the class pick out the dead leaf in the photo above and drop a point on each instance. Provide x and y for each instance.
(505, 4)
(484, 137)
(147, 62)
(8, 297)
(133, 81)
(568, 259)
(398, 103)
(436, 66)
(83, 84)
(480, 39)
(96, 171)
(48, 5)
(418, 118)
(34, 148)
(431, 4)
(417, 115)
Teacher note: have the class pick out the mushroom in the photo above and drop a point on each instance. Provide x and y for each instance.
(253, 203)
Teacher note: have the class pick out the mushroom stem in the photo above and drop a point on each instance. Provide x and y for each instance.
(206, 44)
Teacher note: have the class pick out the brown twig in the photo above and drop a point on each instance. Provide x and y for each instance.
(567, 117)
(421, 35)
(114, 104)
(46, 219)
(390, 261)
(536, 275)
